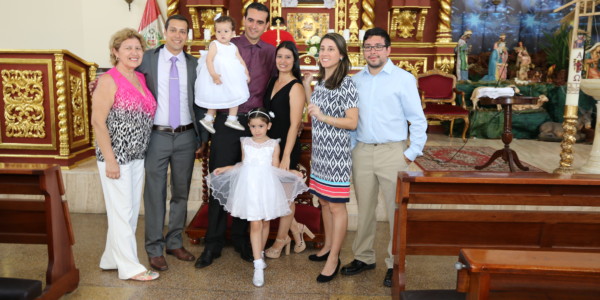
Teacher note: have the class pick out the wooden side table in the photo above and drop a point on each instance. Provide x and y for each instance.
(24, 221)
(507, 154)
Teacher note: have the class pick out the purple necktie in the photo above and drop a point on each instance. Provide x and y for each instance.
(174, 94)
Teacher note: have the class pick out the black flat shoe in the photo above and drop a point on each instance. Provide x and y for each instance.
(323, 278)
(315, 257)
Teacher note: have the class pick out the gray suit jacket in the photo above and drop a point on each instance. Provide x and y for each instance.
(149, 68)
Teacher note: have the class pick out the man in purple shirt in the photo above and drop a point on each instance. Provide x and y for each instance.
(225, 148)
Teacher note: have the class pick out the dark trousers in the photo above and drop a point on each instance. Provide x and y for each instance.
(225, 150)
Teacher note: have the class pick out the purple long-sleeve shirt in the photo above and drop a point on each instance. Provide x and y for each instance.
(260, 61)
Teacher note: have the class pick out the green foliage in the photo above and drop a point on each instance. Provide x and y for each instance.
(557, 47)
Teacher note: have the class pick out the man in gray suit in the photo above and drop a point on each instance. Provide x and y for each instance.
(170, 76)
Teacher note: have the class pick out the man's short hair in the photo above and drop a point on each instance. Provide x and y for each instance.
(177, 17)
(376, 31)
(259, 7)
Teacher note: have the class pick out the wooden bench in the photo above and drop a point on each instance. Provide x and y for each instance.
(25, 221)
(483, 270)
(478, 222)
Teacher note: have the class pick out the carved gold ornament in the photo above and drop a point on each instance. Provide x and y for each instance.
(340, 16)
(172, 7)
(444, 63)
(414, 69)
(303, 26)
(23, 103)
(77, 105)
(403, 23)
(368, 15)
(63, 134)
(444, 34)
(354, 13)
(421, 26)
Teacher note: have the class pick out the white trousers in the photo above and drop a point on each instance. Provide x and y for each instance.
(122, 197)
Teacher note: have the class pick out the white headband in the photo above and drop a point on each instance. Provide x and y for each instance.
(270, 115)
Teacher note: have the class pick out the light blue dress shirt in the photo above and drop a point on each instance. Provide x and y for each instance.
(386, 103)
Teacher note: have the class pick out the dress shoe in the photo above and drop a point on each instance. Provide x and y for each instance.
(324, 278)
(315, 257)
(206, 259)
(355, 267)
(159, 263)
(273, 252)
(181, 254)
(387, 281)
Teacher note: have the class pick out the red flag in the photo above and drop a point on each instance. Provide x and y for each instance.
(151, 27)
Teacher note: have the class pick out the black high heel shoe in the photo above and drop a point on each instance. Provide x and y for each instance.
(315, 257)
(322, 278)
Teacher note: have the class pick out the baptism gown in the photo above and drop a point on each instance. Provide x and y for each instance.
(255, 190)
(233, 90)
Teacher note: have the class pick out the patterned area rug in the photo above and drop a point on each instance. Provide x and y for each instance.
(443, 158)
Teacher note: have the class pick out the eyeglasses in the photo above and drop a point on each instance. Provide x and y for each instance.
(376, 48)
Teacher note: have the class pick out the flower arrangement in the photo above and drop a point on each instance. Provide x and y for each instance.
(312, 45)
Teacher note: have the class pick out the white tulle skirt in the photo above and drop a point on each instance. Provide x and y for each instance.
(254, 192)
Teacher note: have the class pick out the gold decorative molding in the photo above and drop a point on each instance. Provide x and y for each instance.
(340, 16)
(172, 7)
(354, 13)
(275, 8)
(421, 26)
(444, 63)
(63, 133)
(403, 23)
(77, 104)
(368, 15)
(195, 24)
(303, 26)
(570, 129)
(23, 95)
(444, 34)
(419, 64)
(208, 19)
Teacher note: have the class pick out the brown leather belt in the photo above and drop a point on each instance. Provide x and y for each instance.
(181, 128)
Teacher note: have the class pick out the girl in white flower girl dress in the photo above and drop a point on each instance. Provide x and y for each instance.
(256, 189)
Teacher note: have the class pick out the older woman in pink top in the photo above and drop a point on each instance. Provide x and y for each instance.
(122, 116)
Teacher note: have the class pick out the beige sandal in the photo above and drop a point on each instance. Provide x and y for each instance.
(146, 276)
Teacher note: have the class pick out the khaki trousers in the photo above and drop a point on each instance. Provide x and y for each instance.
(375, 168)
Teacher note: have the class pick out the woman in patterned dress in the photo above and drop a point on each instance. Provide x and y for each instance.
(333, 108)
(122, 115)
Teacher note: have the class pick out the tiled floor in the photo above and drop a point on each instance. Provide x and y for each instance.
(229, 277)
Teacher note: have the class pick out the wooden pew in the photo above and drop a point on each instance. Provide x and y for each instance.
(444, 231)
(483, 270)
(26, 221)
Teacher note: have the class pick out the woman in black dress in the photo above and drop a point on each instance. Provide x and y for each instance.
(285, 98)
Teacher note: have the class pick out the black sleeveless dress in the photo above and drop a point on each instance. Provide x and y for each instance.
(280, 106)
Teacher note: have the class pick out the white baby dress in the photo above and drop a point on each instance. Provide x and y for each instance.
(233, 90)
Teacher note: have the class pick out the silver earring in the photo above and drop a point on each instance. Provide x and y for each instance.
(341, 58)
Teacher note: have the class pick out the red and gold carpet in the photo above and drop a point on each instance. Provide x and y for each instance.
(446, 158)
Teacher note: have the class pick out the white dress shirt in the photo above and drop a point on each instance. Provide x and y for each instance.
(164, 69)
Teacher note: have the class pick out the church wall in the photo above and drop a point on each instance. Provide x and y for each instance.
(82, 27)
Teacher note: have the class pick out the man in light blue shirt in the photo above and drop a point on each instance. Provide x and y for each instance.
(388, 101)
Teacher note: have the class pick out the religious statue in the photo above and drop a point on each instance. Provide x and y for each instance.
(523, 62)
(462, 56)
(592, 62)
(497, 67)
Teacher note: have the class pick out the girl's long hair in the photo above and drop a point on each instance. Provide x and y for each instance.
(292, 47)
